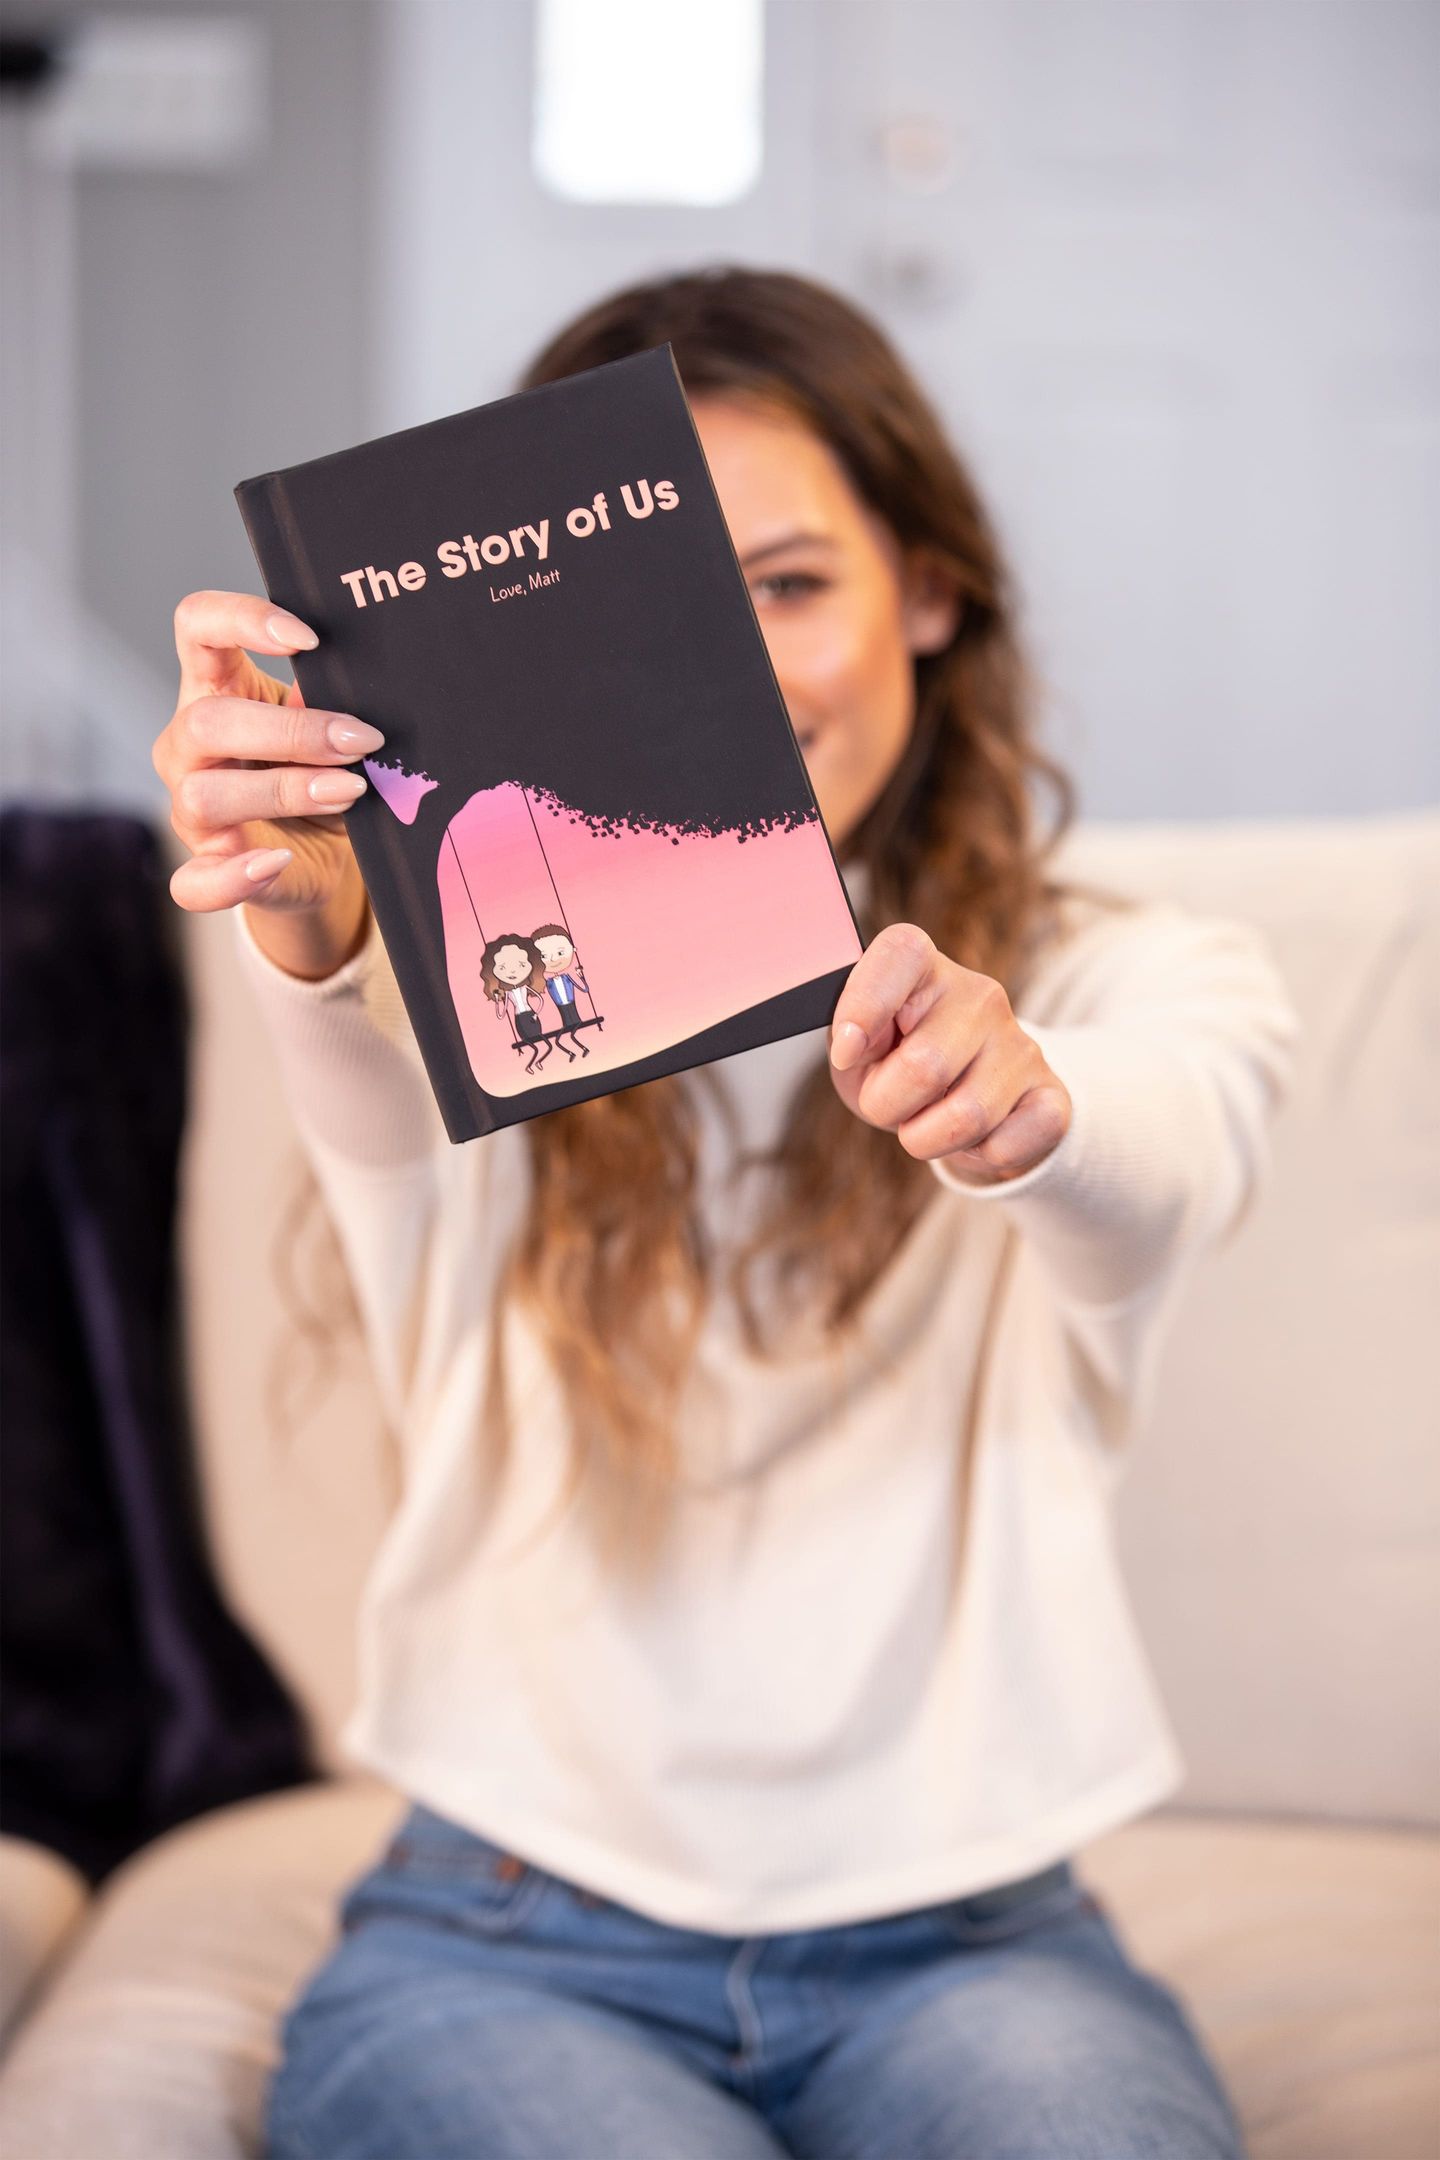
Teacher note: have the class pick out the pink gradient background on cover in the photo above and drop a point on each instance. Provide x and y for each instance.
(675, 933)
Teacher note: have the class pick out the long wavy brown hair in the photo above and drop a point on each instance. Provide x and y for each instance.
(490, 982)
(611, 1264)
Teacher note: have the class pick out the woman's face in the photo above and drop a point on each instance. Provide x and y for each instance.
(513, 965)
(843, 611)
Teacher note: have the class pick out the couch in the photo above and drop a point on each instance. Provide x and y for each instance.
(1278, 1523)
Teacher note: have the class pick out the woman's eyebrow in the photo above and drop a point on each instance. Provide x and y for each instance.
(786, 540)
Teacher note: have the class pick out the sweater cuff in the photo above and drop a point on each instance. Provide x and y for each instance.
(1060, 1164)
(1108, 1206)
(359, 975)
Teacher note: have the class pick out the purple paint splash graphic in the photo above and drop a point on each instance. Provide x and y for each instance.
(403, 791)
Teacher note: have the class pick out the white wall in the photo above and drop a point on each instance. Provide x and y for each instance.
(1175, 296)
(1173, 290)
(221, 322)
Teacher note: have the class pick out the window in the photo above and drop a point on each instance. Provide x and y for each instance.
(648, 101)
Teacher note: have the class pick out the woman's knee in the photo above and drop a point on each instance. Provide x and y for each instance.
(473, 2068)
(1026, 2054)
(364, 2050)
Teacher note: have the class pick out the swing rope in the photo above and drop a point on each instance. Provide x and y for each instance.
(509, 1008)
(559, 903)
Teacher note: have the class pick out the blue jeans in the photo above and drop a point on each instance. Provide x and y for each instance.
(479, 2008)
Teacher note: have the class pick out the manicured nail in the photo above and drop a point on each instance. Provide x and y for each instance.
(336, 787)
(266, 863)
(356, 737)
(846, 1044)
(289, 630)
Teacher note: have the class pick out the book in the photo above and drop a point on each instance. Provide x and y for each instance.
(590, 841)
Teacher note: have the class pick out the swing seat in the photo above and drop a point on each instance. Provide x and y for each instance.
(554, 1034)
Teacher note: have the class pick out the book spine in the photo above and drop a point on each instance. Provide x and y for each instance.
(290, 582)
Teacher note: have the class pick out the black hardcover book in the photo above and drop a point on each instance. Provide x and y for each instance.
(590, 841)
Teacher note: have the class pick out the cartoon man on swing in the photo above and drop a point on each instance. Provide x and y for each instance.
(512, 975)
(564, 979)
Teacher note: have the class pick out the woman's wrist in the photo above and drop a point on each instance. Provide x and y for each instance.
(313, 942)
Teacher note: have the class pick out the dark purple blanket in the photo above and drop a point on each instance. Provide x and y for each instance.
(130, 1699)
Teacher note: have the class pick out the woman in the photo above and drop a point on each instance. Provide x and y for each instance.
(512, 972)
(748, 1638)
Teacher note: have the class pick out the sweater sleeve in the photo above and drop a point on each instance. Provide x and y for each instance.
(1176, 1042)
(371, 1129)
(351, 1067)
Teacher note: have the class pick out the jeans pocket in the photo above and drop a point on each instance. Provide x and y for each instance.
(1014, 1909)
(436, 1866)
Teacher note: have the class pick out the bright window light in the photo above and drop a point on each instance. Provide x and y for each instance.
(649, 101)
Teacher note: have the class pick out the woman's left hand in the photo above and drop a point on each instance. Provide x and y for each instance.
(931, 1051)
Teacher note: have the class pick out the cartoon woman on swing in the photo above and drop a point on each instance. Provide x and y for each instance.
(512, 972)
(564, 979)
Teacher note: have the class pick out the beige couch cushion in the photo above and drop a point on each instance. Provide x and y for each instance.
(1311, 1958)
(1307, 1957)
(41, 1899)
(156, 2036)
(1280, 1524)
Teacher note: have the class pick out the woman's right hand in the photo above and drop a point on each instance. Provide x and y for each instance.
(243, 758)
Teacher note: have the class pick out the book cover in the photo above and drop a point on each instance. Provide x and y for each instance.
(590, 841)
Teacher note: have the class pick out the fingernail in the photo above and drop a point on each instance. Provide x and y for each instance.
(289, 630)
(846, 1043)
(267, 862)
(356, 737)
(336, 787)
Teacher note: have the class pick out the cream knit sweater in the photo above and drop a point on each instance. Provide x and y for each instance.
(885, 1657)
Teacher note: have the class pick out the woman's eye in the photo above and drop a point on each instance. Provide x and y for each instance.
(797, 580)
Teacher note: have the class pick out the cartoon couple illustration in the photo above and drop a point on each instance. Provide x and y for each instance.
(519, 971)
